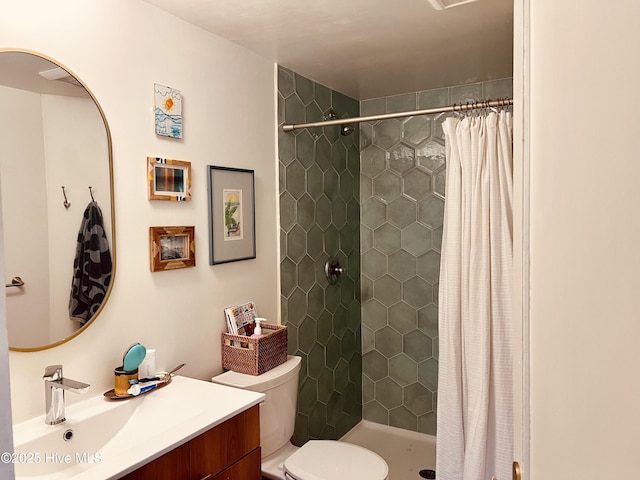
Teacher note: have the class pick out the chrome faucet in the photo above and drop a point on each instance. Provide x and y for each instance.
(54, 386)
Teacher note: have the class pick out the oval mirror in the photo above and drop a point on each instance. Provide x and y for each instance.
(56, 182)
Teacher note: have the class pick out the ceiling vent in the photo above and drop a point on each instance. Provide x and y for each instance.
(442, 4)
(61, 75)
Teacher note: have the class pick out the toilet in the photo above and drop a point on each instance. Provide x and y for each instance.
(317, 459)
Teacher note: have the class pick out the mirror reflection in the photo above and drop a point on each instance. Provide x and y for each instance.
(57, 201)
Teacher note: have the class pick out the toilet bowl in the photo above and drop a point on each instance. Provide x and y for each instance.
(315, 460)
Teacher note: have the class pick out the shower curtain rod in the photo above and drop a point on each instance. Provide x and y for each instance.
(385, 116)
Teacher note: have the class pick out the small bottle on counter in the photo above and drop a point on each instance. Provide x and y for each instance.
(147, 368)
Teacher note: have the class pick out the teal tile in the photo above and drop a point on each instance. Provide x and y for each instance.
(418, 399)
(374, 106)
(387, 133)
(294, 111)
(339, 213)
(315, 301)
(341, 375)
(417, 129)
(286, 146)
(323, 151)
(401, 103)
(301, 431)
(348, 346)
(428, 266)
(417, 292)
(416, 184)
(285, 81)
(416, 239)
(402, 317)
(387, 238)
(315, 361)
(322, 97)
(296, 240)
(339, 157)
(340, 321)
(296, 307)
(308, 395)
(374, 314)
(325, 385)
(388, 393)
(305, 148)
(347, 292)
(430, 155)
(388, 342)
(465, 93)
(374, 264)
(344, 106)
(314, 181)
(433, 98)
(306, 212)
(288, 212)
(333, 352)
(387, 186)
(401, 212)
(374, 412)
(428, 320)
(288, 277)
(416, 345)
(375, 365)
(307, 334)
(428, 423)
(324, 327)
(331, 184)
(317, 420)
(431, 211)
(428, 373)
(347, 189)
(295, 179)
(315, 243)
(373, 161)
(401, 417)
(331, 240)
(403, 370)
(402, 158)
(306, 273)
(323, 212)
(495, 89)
(304, 88)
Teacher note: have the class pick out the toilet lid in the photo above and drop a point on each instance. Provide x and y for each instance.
(333, 460)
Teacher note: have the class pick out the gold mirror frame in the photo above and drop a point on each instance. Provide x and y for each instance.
(112, 204)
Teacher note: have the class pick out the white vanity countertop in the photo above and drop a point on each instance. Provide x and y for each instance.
(152, 425)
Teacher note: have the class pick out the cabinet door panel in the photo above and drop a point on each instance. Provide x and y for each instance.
(225, 444)
(173, 465)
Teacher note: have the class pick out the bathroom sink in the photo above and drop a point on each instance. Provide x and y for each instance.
(49, 449)
(106, 439)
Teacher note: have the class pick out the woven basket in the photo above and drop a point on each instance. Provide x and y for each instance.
(254, 356)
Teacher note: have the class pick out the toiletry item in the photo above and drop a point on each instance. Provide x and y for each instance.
(121, 380)
(147, 368)
(257, 332)
(139, 388)
(133, 357)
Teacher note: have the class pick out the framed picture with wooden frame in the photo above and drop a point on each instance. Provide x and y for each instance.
(169, 179)
(172, 247)
(232, 215)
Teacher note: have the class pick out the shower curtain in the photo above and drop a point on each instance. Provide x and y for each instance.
(475, 391)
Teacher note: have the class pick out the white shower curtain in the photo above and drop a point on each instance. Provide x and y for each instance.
(475, 391)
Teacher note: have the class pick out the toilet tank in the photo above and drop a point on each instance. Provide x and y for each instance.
(278, 410)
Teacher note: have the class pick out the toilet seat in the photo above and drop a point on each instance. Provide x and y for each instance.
(333, 460)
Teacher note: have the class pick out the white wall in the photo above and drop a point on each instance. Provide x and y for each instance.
(25, 222)
(585, 239)
(119, 48)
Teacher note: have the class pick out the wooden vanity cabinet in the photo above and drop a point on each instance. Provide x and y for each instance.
(229, 451)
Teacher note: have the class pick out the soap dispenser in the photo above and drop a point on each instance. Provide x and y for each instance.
(257, 332)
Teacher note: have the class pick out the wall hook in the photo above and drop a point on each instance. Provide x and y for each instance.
(66, 202)
(91, 193)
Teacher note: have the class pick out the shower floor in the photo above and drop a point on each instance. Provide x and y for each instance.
(405, 452)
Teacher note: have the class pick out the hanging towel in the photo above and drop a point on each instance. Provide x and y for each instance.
(92, 266)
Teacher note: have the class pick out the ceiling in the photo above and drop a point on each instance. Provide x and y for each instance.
(366, 48)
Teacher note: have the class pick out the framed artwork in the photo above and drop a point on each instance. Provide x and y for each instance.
(169, 179)
(232, 221)
(172, 247)
(168, 111)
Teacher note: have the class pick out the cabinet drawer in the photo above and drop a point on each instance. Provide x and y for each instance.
(213, 451)
(247, 468)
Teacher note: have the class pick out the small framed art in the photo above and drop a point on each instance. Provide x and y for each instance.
(232, 235)
(169, 179)
(172, 247)
(168, 111)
